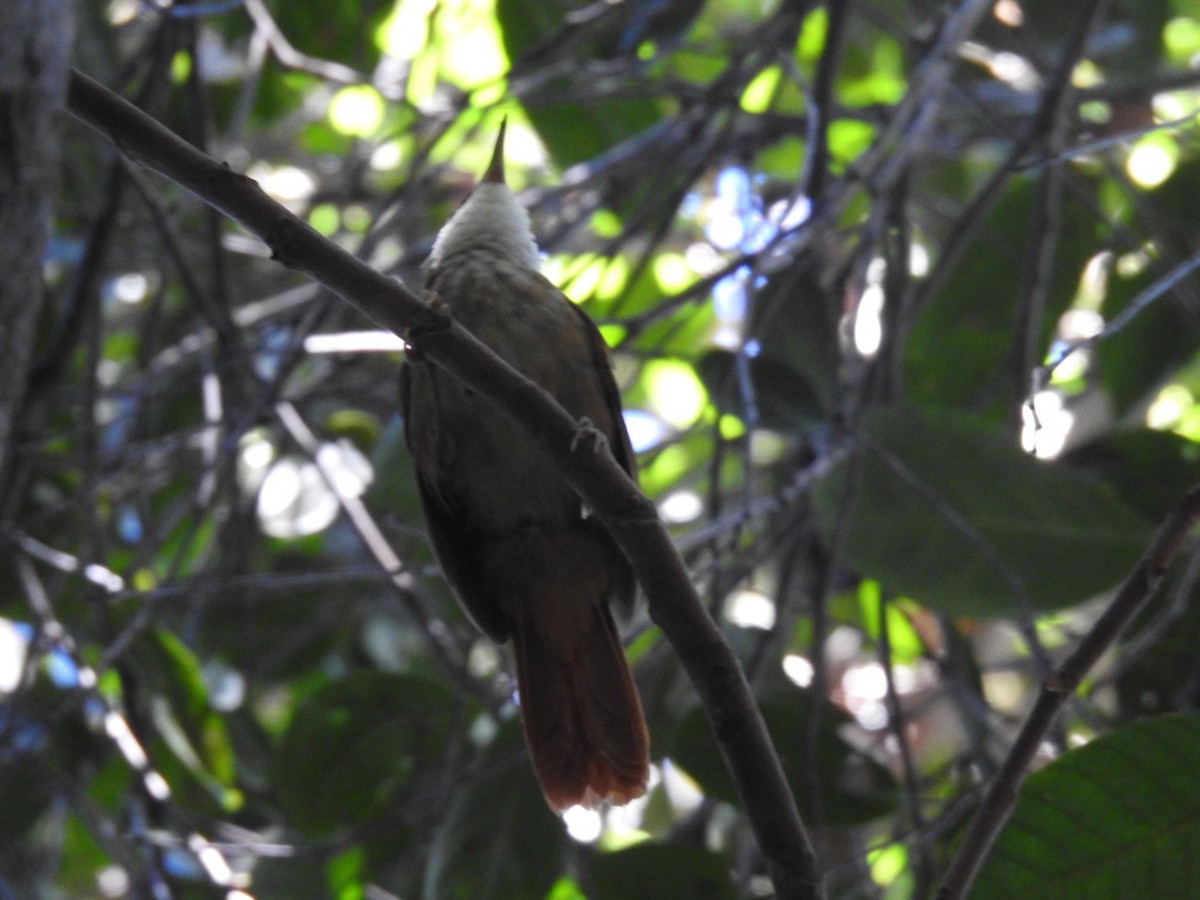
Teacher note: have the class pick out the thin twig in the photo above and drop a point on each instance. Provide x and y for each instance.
(897, 722)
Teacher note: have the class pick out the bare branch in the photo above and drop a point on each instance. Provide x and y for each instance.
(630, 517)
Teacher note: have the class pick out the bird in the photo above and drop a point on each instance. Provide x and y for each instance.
(514, 541)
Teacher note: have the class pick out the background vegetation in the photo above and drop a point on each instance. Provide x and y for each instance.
(901, 301)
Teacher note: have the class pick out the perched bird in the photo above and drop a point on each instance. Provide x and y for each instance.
(513, 539)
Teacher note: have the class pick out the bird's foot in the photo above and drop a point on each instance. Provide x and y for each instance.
(588, 432)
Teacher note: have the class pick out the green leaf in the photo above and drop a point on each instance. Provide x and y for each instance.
(334, 31)
(964, 336)
(661, 872)
(499, 839)
(80, 858)
(1119, 817)
(784, 399)
(25, 785)
(355, 743)
(946, 509)
(1149, 470)
(793, 375)
(194, 731)
(854, 788)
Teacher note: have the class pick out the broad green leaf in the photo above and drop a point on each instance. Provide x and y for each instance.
(356, 743)
(964, 336)
(947, 510)
(784, 399)
(1117, 818)
(1149, 470)
(680, 334)
(793, 374)
(499, 839)
(855, 789)
(661, 872)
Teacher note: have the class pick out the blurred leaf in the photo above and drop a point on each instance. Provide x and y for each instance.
(337, 32)
(783, 398)
(573, 132)
(25, 785)
(1130, 43)
(963, 337)
(681, 334)
(946, 509)
(499, 839)
(651, 871)
(1159, 668)
(345, 873)
(1149, 470)
(576, 133)
(171, 672)
(356, 743)
(855, 788)
(81, 857)
(872, 71)
(796, 324)
(1118, 817)
(620, 30)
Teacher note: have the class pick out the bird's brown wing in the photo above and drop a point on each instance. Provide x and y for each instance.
(622, 449)
(456, 544)
(624, 584)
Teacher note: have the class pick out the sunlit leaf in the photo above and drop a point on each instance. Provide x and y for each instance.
(674, 391)
(356, 110)
(757, 96)
(169, 670)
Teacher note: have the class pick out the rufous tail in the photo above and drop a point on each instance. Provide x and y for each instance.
(582, 716)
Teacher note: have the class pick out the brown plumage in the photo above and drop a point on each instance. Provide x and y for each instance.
(511, 536)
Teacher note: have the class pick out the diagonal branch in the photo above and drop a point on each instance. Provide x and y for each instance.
(1001, 797)
(605, 488)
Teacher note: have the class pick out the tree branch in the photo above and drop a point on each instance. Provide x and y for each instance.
(1001, 798)
(630, 517)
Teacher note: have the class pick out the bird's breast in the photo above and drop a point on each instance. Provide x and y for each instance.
(492, 471)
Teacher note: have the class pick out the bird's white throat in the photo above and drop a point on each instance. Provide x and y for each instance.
(491, 217)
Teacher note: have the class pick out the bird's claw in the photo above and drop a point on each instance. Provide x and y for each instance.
(588, 431)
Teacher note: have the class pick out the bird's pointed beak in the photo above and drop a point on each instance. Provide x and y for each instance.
(495, 169)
